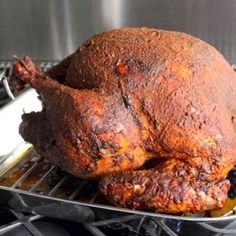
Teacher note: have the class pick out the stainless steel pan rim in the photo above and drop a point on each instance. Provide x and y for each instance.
(124, 210)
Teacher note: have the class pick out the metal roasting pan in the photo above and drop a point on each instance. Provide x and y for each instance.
(29, 183)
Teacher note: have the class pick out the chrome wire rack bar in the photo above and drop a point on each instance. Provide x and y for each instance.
(40, 181)
(28, 178)
(77, 190)
(5, 90)
(6, 68)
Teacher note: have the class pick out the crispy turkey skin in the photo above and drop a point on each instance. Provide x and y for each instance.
(130, 95)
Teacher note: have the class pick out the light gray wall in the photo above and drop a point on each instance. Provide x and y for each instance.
(51, 29)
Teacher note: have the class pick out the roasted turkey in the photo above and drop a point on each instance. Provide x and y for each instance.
(132, 95)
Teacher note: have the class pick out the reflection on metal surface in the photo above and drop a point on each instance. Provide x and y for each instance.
(112, 13)
(53, 29)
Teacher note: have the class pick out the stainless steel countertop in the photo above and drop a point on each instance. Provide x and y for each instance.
(53, 29)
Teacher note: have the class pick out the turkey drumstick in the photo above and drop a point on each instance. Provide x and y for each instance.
(93, 134)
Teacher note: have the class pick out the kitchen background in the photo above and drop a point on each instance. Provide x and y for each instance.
(50, 30)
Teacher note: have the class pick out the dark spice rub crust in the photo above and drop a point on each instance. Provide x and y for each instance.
(165, 188)
(131, 95)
